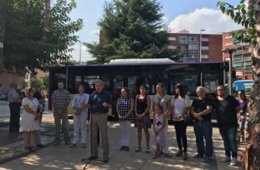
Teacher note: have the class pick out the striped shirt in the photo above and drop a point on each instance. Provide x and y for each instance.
(61, 98)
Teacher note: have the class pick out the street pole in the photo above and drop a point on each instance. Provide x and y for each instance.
(200, 59)
(79, 52)
(230, 54)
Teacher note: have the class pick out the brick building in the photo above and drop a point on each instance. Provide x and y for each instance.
(241, 58)
(190, 46)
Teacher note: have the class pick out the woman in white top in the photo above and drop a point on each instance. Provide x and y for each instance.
(30, 119)
(79, 104)
(180, 104)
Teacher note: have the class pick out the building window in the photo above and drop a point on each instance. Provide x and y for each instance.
(204, 56)
(172, 38)
(193, 47)
(172, 47)
(205, 39)
(204, 48)
(183, 39)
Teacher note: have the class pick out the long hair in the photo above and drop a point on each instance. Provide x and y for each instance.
(128, 95)
(181, 89)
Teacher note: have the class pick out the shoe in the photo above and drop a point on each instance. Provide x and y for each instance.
(126, 148)
(167, 155)
(208, 159)
(138, 149)
(198, 156)
(93, 158)
(122, 148)
(105, 160)
(179, 153)
(185, 156)
(226, 159)
(31, 149)
(147, 150)
(84, 145)
(40, 145)
(233, 162)
(67, 143)
(73, 145)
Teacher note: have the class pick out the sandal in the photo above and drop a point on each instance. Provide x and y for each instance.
(138, 149)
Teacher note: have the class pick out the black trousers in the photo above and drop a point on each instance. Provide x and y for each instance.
(180, 128)
(14, 116)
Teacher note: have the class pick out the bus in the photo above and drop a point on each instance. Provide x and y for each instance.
(133, 72)
(245, 85)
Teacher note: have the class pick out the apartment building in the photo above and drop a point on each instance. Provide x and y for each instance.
(196, 47)
(241, 56)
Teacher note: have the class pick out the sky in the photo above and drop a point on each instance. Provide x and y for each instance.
(191, 15)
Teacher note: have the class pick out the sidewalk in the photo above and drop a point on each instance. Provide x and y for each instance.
(63, 157)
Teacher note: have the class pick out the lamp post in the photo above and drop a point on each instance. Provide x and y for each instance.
(79, 52)
(201, 43)
(230, 53)
(201, 74)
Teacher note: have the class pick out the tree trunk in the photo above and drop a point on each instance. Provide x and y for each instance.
(254, 104)
(3, 14)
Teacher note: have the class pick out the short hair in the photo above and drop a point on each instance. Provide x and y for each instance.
(60, 81)
(98, 81)
(81, 84)
(200, 88)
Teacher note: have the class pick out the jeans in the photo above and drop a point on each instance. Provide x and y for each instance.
(203, 130)
(229, 137)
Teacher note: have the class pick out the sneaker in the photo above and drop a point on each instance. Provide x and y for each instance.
(84, 145)
(122, 148)
(233, 162)
(226, 159)
(138, 149)
(185, 156)
(179, 153)
(198, 156)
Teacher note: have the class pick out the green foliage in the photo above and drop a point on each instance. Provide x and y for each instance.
(244, 15)
(33, 40)
(131, 29)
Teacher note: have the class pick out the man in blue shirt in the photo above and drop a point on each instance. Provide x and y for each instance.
(100, 101)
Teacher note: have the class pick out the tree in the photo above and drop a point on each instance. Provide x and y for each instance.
(3, 12)
(131, 29)
(249, 16)
(30, 43)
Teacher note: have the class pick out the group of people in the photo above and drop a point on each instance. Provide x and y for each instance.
(160, 107)
(178, 109)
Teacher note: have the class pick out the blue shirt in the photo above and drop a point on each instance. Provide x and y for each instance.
(97, 99)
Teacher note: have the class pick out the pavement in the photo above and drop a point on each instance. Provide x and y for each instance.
(13, 156)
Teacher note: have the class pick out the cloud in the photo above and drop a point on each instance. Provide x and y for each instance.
(212, 21)
(85, 55)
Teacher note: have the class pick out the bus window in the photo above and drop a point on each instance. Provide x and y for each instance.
(118, 82)
(90, 82)
(211, 81)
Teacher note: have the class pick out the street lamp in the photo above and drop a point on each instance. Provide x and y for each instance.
(201, 42)
(201, 75)
(79, 52)
(230, 53)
